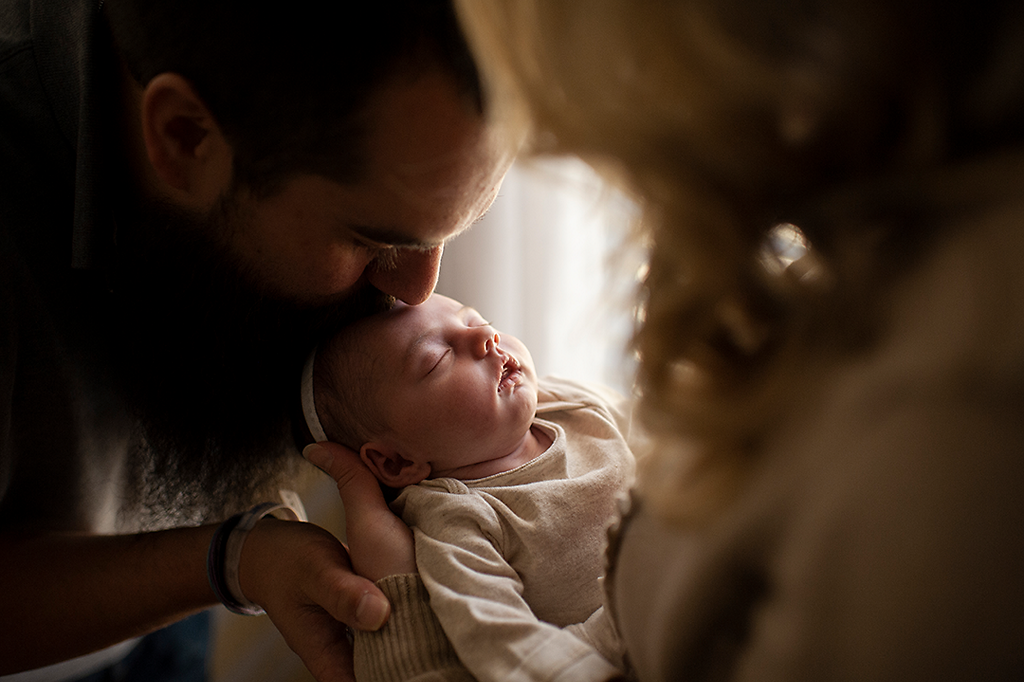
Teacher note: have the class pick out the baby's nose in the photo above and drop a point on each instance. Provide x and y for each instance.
(487, 342)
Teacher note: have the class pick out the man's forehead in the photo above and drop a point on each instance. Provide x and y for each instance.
(424, 128)
(432, 163)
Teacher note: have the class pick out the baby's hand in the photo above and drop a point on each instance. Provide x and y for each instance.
(379, 543)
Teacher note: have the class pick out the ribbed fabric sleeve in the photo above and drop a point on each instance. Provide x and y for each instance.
(411, 645)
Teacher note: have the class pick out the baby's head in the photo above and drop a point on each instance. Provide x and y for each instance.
(425, 391)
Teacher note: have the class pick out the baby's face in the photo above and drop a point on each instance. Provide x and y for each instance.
(456, 392)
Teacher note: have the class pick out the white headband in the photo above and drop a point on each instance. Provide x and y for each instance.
(308, 403)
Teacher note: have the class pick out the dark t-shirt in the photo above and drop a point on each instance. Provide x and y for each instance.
(63, 433)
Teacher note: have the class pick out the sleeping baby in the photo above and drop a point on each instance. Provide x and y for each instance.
(509, 484)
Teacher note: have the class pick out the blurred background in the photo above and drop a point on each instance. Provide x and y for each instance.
(550, 263)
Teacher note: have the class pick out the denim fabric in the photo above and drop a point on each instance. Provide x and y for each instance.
(177, 653)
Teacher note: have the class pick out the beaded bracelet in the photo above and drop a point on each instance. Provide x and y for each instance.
(225, 554)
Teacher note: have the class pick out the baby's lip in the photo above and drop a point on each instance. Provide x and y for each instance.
(510, 374)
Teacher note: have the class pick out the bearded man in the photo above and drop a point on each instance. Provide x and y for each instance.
(192, 191)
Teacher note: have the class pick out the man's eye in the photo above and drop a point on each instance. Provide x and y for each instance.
(374, 247)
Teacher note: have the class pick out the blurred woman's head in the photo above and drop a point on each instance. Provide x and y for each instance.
(785, 154)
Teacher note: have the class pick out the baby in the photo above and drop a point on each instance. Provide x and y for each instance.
(509, 483)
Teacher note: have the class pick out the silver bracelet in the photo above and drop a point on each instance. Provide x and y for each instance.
(233, 551)
(225, 551)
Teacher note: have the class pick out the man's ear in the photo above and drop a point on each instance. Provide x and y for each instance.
(183, 141)
(390, 467)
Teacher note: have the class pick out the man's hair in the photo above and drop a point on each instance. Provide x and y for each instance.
(288, 83)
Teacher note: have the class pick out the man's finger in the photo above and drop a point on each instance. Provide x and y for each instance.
(356, 483)
(381, 544)
(358, 487)
(323, 645)
(351, 599)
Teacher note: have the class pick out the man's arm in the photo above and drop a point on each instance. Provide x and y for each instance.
(66, 595)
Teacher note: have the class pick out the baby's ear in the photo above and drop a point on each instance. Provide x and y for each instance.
(390, 467)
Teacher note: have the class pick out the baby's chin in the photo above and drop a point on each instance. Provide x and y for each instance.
(526, 391)
(529, 414)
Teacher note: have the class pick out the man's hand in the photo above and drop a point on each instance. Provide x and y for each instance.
(301, 575)
(380, 543)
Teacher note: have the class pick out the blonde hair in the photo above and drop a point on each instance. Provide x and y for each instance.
(732, 123)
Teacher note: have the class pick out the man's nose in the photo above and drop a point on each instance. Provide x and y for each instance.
(410, 276)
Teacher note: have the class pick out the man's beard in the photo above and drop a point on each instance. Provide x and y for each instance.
(208, 360)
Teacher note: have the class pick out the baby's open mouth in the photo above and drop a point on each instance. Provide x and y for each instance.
(511, 374)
